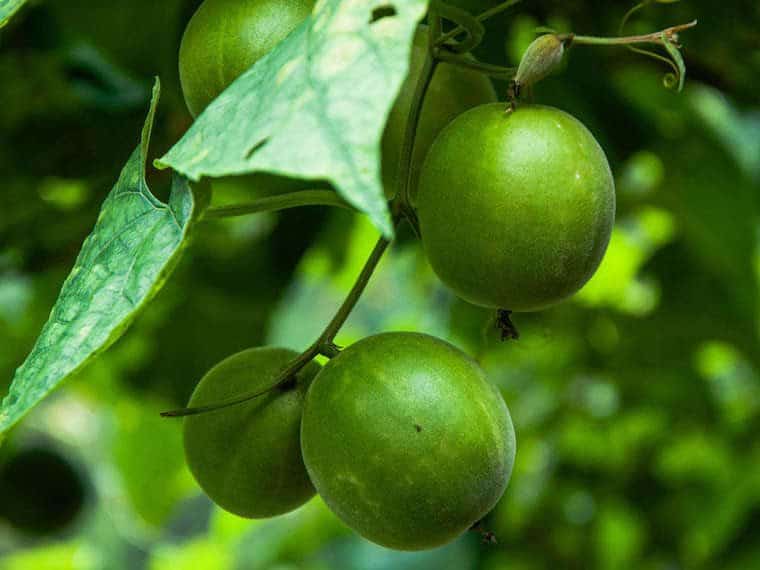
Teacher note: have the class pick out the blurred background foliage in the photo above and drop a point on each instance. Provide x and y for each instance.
(637, 404)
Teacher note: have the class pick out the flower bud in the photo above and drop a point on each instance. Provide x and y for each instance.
(541, 58)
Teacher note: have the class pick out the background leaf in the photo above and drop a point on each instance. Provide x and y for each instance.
(8, 8)
(122, 264)
(327, 88)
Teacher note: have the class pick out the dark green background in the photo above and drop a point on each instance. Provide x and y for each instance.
(637, 404)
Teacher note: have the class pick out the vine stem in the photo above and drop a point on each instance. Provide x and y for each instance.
(280, 202)
(482, 17)
(328, 335)
(323, 345)
(670, 34)
(489, 69)
(407, 147)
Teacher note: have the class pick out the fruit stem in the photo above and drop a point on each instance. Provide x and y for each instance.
(323, 345)
(482, 17)
(280, 202)
(486, 536)
(505, 325)
(668, 34)
(329, 350)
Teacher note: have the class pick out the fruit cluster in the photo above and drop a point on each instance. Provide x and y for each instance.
(401, 433)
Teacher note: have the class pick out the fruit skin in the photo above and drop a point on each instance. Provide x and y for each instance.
(515, 209)
(247, 458)
(452, 91)
(226, 37)
(406, 441)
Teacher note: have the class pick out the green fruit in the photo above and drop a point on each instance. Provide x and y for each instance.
(515, 209)
(452, 91)
(247, 457)
(226, 37)
(406, 441)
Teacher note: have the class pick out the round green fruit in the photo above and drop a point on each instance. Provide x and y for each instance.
(452, 91)
(226, 37)
(406, 441)
(247, 457)
(515, 208)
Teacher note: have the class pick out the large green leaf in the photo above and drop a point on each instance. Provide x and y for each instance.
(123, 263)
(315, 106)
(8, 8)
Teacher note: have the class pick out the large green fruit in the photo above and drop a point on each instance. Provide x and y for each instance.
(226, 37)
(406, 441)
(452, 91)
(515, 208)
(247, 457)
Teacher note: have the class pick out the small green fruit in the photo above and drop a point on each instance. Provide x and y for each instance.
(247, 457)
(406, 441)
(515, 208)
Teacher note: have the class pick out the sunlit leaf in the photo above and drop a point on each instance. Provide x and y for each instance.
(314, 107)
(198, 553)
(51, 556)
(402, 294)
(617, 283)
(122, 265)
(147, 448)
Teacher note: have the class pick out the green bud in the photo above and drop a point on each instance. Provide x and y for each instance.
(542, 57)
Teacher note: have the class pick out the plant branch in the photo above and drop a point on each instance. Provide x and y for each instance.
(323, 345)
(489, 69)
(279, 202)
(668, 34)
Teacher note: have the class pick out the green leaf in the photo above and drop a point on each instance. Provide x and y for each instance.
(8, 8)
(123, 263)
(314, 107)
